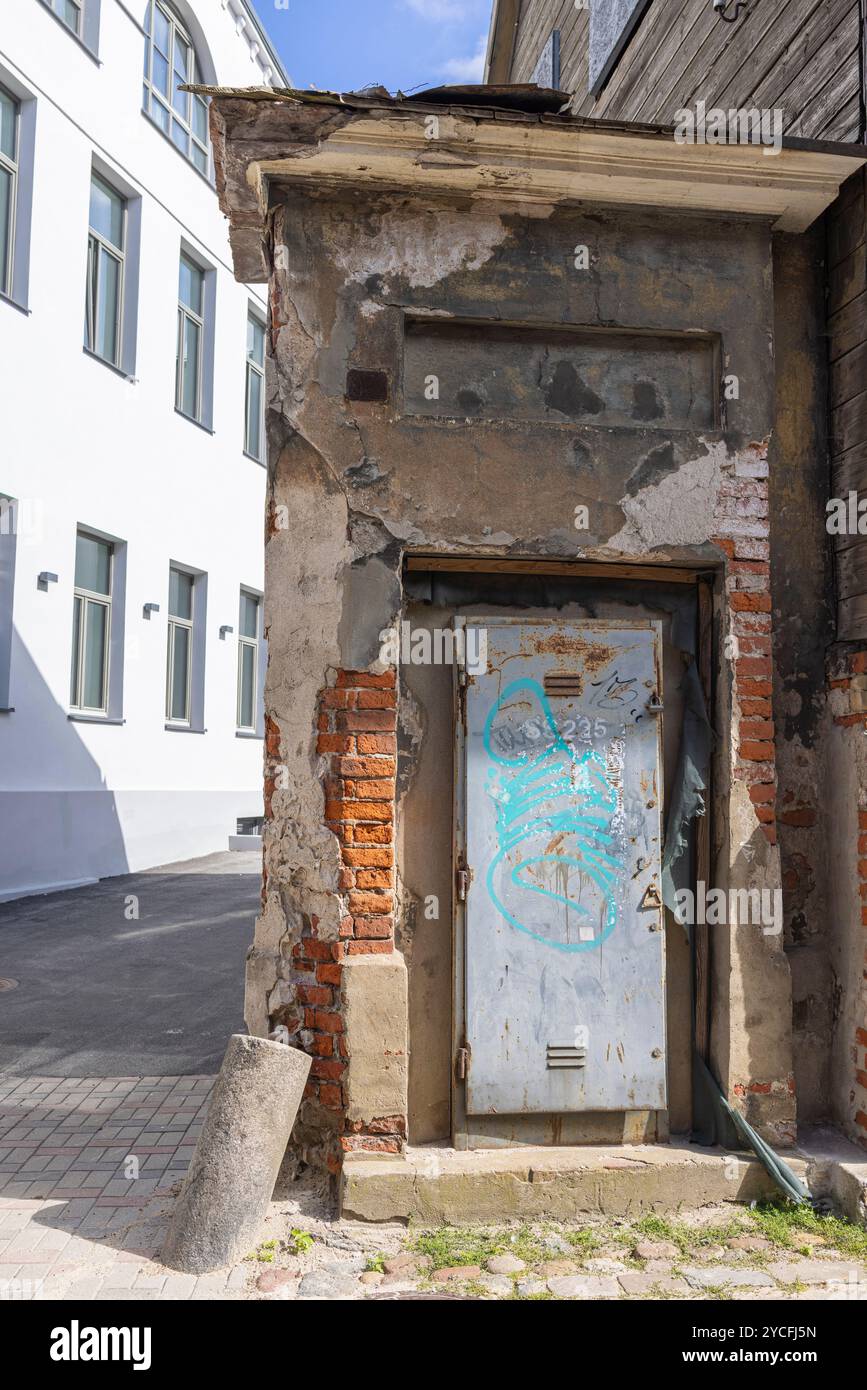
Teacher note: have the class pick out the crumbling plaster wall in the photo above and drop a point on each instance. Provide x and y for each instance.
(353, 484)
(803, 628)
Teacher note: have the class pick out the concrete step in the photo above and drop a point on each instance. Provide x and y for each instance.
(434, 1183)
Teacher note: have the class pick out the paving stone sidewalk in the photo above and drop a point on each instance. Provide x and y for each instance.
(89, 1169)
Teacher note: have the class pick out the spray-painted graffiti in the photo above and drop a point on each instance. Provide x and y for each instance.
(559, 827)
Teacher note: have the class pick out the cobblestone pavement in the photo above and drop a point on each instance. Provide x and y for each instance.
(89, 1169)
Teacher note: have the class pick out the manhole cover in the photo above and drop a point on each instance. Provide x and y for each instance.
(8, 984)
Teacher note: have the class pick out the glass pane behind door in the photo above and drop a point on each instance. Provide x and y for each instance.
(248, 684)
(95, 640)
(179, 708)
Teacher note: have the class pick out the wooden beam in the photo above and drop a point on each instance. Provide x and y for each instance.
(576, 569)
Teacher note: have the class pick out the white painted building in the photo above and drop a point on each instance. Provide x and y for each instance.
(130, 444)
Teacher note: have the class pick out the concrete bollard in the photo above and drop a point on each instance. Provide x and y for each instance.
(226, 1192)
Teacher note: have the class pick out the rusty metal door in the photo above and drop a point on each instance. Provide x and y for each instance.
(559, 821)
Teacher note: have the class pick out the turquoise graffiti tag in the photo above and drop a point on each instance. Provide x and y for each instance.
(579, 801)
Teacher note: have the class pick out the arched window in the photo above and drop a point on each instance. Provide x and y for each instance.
(170, 63)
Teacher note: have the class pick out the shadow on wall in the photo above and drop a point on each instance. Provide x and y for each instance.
(59, 821)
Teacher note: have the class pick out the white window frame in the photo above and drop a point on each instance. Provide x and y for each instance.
(11, 166)
(254, 643)
(152, 94)
(8, 546)
(185, 313)
(59, 8)
(86, 597)
(253, 368)
(97, 247)
(189, 624)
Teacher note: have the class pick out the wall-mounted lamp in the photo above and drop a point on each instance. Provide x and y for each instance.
(150, 608)
(722, 5)
(45, 579)
(224, 631)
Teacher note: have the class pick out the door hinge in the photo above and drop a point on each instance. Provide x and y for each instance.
(462, 1063)
(462, 881)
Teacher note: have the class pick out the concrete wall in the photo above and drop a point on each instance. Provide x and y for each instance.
(355, 483)
(85, 445)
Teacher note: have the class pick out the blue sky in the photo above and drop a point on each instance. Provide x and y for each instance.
(343, 44)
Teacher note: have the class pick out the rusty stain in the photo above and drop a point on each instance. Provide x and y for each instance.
(594, 655)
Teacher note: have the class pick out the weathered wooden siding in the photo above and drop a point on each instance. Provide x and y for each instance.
(799, 55)
(847, 352)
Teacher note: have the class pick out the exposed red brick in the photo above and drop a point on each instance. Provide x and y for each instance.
(757, 752)
(380, 789)
(373, 834)
(368, 948)
(327, 1021)
(376, 699)
(330, 1071)
(380, 857)
(314, 950)
(759, 709)
(334, 743)
(377, 743)
(754, 666)
(367, 721)
(365, 679)
(368, 810)
(365, 903)
(374, 878)
(337, 699)
(762, 791)
(750, 602)
(757, 728)
(370, 928)
(366, 767)
(313, 994)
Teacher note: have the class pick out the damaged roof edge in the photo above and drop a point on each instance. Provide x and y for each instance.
(544, 156)
(544, 105)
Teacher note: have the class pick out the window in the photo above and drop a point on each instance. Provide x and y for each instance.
(71, 12)
(103, 316)
(170, 63)
(611, 28)
(248, 662)
(8, 186)
(8, 543)
(91, 623)
(191, 332)
(254, 418)
(179, 672)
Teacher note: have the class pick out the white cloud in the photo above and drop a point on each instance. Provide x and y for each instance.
(470, 69)
(438, 10)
